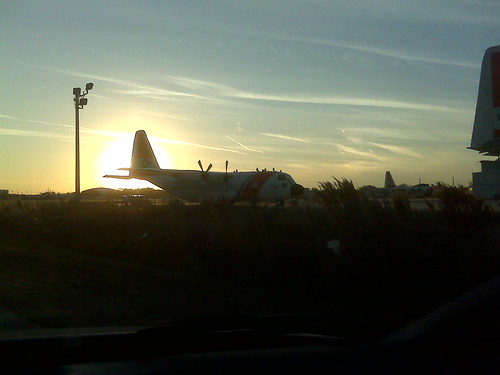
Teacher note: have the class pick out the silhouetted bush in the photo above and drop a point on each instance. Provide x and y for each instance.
(460, 206)
(347, 251)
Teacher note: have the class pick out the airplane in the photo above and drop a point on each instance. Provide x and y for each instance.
(199, 185)
(486, 129)
(416, 191)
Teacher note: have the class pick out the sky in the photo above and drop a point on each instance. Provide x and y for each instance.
(319, 89)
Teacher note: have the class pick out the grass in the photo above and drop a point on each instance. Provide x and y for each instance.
(66, 264)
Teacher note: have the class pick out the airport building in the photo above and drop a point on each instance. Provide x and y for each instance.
(486, 184)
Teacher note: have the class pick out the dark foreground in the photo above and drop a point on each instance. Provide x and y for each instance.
(372, 267)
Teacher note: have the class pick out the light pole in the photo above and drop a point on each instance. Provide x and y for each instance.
(80, 101)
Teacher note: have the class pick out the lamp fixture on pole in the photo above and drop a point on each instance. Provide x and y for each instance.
(80, 101)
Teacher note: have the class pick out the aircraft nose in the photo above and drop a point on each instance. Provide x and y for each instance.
(296, 190)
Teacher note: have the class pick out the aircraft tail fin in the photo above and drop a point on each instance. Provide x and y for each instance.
(143, 156)
(389, 181)
(486, 131)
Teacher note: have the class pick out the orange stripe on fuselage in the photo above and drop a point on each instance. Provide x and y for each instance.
(254, 185)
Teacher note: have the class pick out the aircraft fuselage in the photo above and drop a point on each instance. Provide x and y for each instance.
(236, 186)
(193, 185)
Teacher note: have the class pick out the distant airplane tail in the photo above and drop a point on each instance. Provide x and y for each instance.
(389, 181)
(143, 156)
(486, 131)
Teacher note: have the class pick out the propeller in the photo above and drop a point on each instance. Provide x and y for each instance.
(204, 174)
(226, 176)
(201, 166)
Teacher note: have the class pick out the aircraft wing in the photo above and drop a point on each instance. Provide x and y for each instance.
(117, 176)
(170, 172)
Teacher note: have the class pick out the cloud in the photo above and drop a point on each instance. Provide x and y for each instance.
(176, 142)
(152, 92)
(31, 133)
(109, 133)
(232, 92)
(400, 150)
(134, 88)
(47, 134)
(398, 136)
(372, 50)
(343, 149)
(242, 145)
(198, 84)
(215, 93)
(155, 93)
(288, 138)
(167, 115)
(409, 134)
(338, 100)
(36, 121)
(392, 53)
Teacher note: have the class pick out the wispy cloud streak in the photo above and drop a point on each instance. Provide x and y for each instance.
(386, 52)
(245, 147)
(176, 142)
(31, 133)
(400, 150)
(336, 100)
(215, 93)
(232, 92)
(286, 137)
(36, 121)
(343, 149)
(105, 132)
(71, 127)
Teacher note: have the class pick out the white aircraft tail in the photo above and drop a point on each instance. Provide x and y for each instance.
(486, 131)
(144, 163)
(143, 156)
(389, 181)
